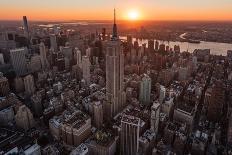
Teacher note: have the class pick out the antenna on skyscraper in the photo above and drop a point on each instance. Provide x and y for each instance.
(114, 16)
(115, 35)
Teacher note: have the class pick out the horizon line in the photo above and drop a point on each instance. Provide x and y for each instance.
(139, 20)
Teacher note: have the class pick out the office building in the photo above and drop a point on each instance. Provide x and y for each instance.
(185, 113)
(29, 84)
(4, 85)
(183, 73)
(145, 90)
(53, 42)
(88, 52)
(167, 106)
(43, 55)
(37, 104)
(162, 94)
(24, 118)
(98, 114)
(86, 69)
(177, 49)
(18, 60)
(7, 116)
(214, 100)
(156, 45)
(80, 150)
(147, 142)
(35, 64)
(2, 62)
(151, 46)
(75, 129)
(18, 84)
(179, 143)
(77, 54)
(114, 74)
(102, 142)
(155, 116)
(67, 52)
(129, 136)
(103, 34)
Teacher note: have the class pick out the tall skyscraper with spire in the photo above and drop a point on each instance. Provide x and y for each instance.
(114, 73)
(115, 31)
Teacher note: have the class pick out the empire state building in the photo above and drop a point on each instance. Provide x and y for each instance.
(114, 74)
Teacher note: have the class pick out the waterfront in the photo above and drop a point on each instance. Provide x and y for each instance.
(215, 48)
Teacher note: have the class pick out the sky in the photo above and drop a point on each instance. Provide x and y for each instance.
(103, 9)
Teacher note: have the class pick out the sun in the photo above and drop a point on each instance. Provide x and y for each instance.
(133, 15)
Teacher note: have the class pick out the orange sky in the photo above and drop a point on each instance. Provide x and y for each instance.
(102, 9)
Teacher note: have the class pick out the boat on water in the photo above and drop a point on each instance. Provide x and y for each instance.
(194, 41)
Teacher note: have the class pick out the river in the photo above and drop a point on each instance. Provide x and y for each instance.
(215, 48)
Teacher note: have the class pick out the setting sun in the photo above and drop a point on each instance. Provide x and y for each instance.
(133, 15)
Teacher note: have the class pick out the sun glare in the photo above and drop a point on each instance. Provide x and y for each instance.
(133, 15)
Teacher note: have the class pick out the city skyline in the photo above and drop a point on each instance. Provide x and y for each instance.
(132, 87)
(101, 10)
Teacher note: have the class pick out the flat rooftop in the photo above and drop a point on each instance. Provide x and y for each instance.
(131, 120)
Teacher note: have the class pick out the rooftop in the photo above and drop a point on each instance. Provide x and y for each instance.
(131, 120)
(102, 137)
(80, 150)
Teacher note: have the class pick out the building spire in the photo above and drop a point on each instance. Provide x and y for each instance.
(114, 16)
(115, 33)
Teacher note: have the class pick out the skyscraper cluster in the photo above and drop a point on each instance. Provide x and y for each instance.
(68, 89)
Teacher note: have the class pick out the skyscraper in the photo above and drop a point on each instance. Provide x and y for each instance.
(156, 45)
(86, 69)
(4, 85)
(18, 60)
(150, 45)
(1, 59)
(215, 99)
(145, 90)
(114, 73)
(24, 118)
(35, 64)
(77, 54)
(129, 137)
(162, 94)
(155, 112)
(43, 56)
(98, 114)
(25, 27)
(29, 84)
(53, 42)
